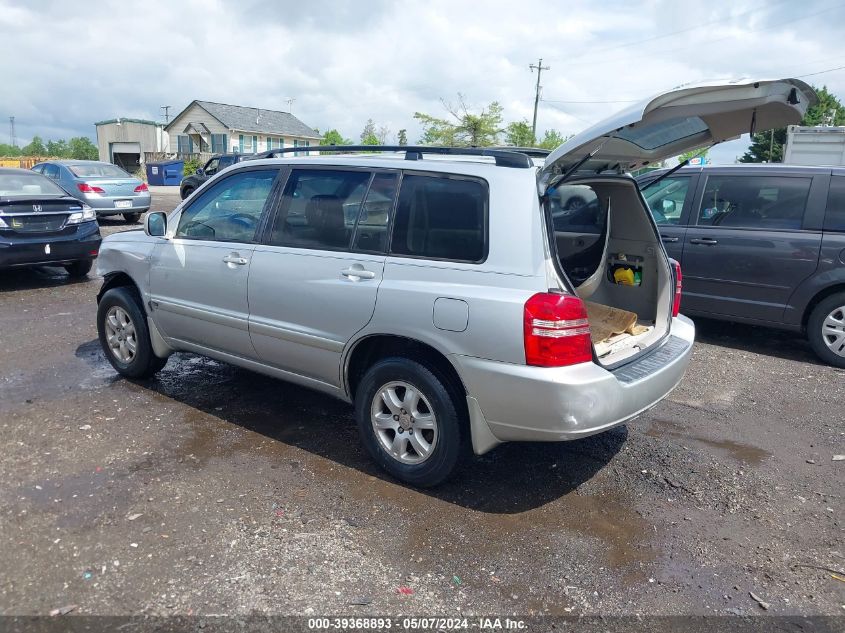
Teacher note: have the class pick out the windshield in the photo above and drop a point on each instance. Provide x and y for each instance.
(28, 184)
(98, 170)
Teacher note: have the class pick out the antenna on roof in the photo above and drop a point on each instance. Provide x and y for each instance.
(290, 101)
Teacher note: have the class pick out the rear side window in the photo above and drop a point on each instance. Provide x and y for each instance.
(441, 218)
(320, 208)
(754, 202)
(834, 218)
(576, 209)
(51, 171)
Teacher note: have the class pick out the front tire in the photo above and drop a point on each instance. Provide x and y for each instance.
(826, 330)
(132, 218)
(80, 268)
(408, 421)
(124, 335)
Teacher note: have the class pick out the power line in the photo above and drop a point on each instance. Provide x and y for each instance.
(616, 101)
(540, 68)
(822, 72)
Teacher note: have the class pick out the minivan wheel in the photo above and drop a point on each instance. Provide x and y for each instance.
(132, 218)
(826, 330)
(124, 336)
(408, 421)
(80, 268)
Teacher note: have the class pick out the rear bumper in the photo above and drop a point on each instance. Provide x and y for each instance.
(28, 251)
(104, 205)
(522, 403)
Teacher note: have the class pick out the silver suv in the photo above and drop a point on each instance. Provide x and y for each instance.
(456, 297)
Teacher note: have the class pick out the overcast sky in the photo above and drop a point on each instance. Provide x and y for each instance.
(67, 64)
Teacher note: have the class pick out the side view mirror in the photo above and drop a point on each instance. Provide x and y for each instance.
(668, 206)
(155, 224)
(200, 171)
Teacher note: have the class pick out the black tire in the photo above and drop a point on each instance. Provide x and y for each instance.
(144, 363)
(80, 268)
(834, 304)
(439, 465)
(132, 218)
(187, 191)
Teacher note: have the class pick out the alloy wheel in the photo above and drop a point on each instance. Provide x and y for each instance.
(120, 334)
(404, 422)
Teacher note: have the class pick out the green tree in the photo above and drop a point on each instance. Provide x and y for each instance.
(82, 148)
(767, 146)
(519, 134)
(58, 149)
(333, 137)
(35, 147)
(403, 137)
(551, 139)
(692, 154)
(368, 135)
(463, 128)
(9, 150)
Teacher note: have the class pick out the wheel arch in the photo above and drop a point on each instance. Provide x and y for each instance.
(820, 296)
(118, 279)
(372, 348)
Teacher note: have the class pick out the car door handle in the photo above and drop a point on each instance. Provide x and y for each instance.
(234, 258)
(703, 240)
(667, 238)
(359, 273)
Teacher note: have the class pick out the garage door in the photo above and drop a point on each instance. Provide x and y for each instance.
(125, 148)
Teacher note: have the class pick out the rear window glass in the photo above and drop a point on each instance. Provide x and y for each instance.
(441, 218)
(662, 133)
(754, 202)
(96, 170)
(26, 183)
(834, 219)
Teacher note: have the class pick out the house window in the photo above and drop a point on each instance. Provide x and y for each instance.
(184, 144)
(269, 143)
(219, 143)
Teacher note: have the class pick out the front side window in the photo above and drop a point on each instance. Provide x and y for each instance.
(666, 199)
(834, 218)
(212, 166)
(441, 218)
(229, 211)
(320, 208)
(754, 202)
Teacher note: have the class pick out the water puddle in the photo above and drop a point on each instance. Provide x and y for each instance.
(741, 452)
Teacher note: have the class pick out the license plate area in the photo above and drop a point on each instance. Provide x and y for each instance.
(122, 204)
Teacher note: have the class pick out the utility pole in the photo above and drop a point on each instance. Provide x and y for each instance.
(540, 68)
(166, 114)
(13, 141)
(290, 101)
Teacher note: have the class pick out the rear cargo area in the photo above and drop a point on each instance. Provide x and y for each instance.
(607, 247)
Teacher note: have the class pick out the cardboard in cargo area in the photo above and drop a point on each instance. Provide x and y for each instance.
(607, 321)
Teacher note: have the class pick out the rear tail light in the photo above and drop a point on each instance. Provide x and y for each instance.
(84, 187)
(556, 331)
(141, 188)
(676, 302)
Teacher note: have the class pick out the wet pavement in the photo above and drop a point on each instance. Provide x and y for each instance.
(211, 490)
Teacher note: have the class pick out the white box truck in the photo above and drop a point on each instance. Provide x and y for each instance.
(815, 145)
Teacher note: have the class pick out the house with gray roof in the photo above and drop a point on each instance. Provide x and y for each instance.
(217, 128)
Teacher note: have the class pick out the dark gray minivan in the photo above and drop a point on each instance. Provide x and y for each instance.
(760, 244)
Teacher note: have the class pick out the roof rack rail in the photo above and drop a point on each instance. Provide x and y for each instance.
(535, 152)
(503, 157)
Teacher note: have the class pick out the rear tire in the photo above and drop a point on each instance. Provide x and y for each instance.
(187, 191)
(409, 422)
(80, 268)
(132, 218)
(826, 330)
(124, 335)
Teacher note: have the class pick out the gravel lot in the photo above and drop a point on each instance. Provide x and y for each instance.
(213, 490)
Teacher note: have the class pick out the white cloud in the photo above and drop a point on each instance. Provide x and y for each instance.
(345, 62)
